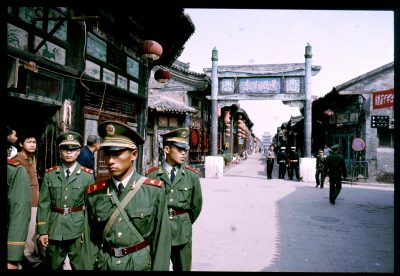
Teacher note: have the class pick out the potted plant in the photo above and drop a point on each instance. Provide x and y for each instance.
(228, 158)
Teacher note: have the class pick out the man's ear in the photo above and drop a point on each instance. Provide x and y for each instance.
(167, 149)
(134, 155)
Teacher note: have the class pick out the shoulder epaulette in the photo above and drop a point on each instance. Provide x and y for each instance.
(86, 170)
(151, 170)
(98, 186)
(51, 169)
(13, 162)
(191, 168)
(154, 182)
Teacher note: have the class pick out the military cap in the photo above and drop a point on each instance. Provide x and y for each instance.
(283, 148)
(178, 137)
(321, 150)
(118, 136)
(335, 147)
(69, 140)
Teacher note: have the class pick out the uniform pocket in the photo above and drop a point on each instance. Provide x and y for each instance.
(142, 219)
(185, 196)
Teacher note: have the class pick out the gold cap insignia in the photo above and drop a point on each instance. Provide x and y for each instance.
(184, 134)
(70, 137)
(110, 129)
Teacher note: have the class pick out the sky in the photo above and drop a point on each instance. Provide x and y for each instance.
(346, 44)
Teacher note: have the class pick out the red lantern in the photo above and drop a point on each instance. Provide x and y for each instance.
(151, 49)
(328, 113)
(162, 76)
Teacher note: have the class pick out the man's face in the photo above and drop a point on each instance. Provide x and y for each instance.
(69, 156)
(29, 145)
(175, 155)
(12, 138)
(120, 163)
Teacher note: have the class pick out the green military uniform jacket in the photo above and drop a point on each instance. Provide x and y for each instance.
(320, 164)
(146, 211)
(18, 210)
(183, 195)
(58, 192)
(335, 166)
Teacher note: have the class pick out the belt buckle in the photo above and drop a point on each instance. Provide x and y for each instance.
(118, 252)
(171, 213)
(66, 211)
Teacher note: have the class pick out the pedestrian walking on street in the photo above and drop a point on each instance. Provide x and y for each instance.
(281, 159)
(320, 169)
(61, 205)
(184, 197)
(336, 170)
(270, 161)
(126, 218)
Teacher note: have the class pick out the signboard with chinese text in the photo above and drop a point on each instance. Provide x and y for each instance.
(259, 85)
(383, 99)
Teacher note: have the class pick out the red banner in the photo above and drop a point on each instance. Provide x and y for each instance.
(383, 99)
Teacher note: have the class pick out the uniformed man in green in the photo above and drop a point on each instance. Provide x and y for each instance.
(183, 192)
(320, 169)
(335, 167)
(19, 201)
(127, 214)
(61, 205)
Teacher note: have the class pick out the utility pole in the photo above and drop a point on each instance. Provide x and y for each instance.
(307, 102)
(214, 103)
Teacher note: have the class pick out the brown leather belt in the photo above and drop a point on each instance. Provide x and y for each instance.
(65, 211)
(172, 213)
(122, 251)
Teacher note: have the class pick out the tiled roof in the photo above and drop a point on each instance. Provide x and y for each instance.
(163, 103)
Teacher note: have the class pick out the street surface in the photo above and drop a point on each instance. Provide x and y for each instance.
(249, 223)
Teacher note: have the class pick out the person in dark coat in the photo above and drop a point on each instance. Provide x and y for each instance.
(86, 156)
(336, 170)
(281, 159)
(293, 163)
(270, 161)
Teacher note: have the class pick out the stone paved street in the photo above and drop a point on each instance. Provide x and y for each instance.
(249, 223)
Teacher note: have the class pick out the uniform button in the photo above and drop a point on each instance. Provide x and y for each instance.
(99, 219)
(65, 197)
(65, 205)
(66, 189)
(118, 262)
(119, 220)
(171, 200)
(185, 189)
(172, 190)
(119, 234)
(141, 215)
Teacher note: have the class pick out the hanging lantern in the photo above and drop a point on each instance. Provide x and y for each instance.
(328, 113)
(162, 76)
(151, 50)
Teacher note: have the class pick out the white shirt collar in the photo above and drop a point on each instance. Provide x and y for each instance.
(124, 182)
(71, 169)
